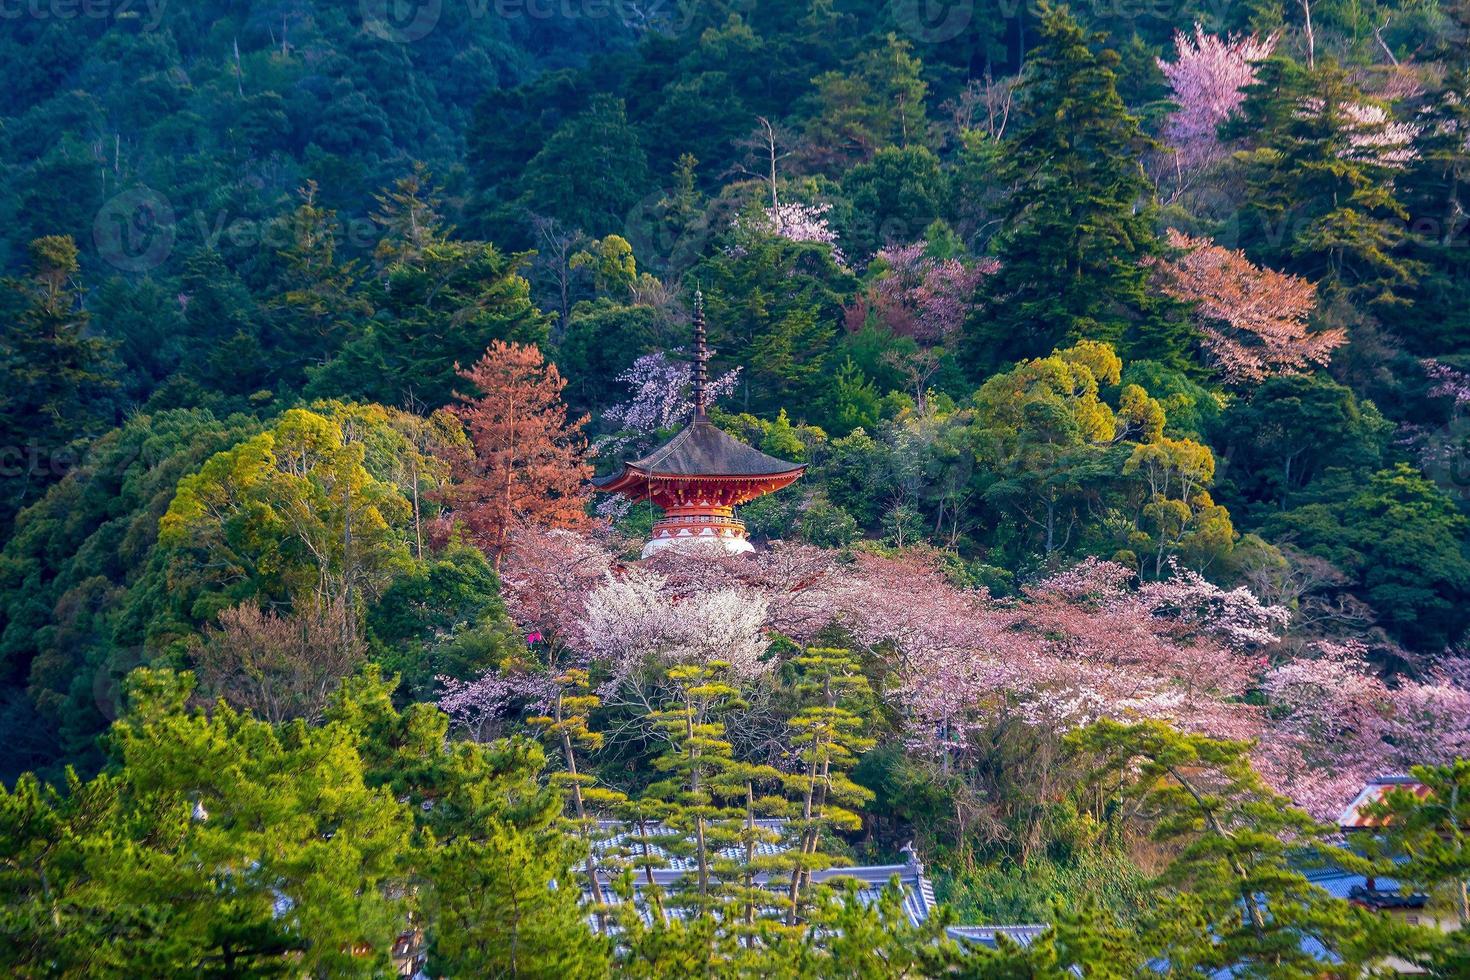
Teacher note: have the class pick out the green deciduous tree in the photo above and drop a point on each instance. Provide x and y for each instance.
(293, 514)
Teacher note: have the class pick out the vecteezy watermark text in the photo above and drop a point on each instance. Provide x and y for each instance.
(150, 12)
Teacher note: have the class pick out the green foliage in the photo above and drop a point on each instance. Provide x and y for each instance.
(602, 340)
(291, 513)
(438, 307)
(53, 375)
(773, 309)
(590, 172)
(1076, 236)
(1050, 448)
(1314, 205)
(1402, 540)
(443, 617)
(76, 571)
(1241, 851)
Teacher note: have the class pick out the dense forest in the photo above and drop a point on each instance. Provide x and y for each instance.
(1127, 348)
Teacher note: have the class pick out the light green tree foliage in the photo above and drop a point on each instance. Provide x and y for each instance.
(828, 738)
(1053, 451)
(296, 513)
(498, 895)
(220, 845)
(1085, 942)
(611, 264)
(566, 727)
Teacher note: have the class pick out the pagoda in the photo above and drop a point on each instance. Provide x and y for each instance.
(701, 475)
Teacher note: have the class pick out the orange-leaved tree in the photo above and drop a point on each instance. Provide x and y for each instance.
(527, 463)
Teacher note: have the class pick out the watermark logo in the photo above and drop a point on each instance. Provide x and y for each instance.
(400, 21)
(1446, 457)
(933, 21)
(135, 231)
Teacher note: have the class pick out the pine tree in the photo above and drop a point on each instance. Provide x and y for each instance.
(1240, 853)
(697, 820)
(53, 375)
(828, 742)
(1320, 198)
(319, 305)
(409, 216)
(1079, 223)
(567, 727)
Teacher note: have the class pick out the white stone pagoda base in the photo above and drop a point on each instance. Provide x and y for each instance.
(707, 541)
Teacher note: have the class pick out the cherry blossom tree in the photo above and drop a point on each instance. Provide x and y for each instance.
(546, 578)
(481, 707)
(1336, 724)
(1208, 78)
(1374, 137)
(632, 619)
(662, 390)
(1254, 321)
(795, 581)
(795, 222)
(919, 296)
(1448, 382)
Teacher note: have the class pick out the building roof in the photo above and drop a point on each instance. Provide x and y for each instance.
(704, 449)
(990, 936)
(1353, 818)
(918, 892)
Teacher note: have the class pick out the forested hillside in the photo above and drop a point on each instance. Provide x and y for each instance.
(1127, 348)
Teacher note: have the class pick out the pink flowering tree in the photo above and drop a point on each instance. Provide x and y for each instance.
(633, 619)
(480, 709)
(793, 221)
(662, 393)
(1207, 79)
(921, 297)
(1253, 321)
(1335, 724)
(1449, 382)
(545, 580)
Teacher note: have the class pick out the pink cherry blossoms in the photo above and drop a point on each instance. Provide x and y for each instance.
(1253, 320)
(795, 222)
(662, 393)
(963, 668)
(1447, 382)
(1208, 79)
(1335, 724)
(921, 297)
(632, 619)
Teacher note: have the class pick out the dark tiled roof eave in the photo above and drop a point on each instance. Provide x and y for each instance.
(702, 449)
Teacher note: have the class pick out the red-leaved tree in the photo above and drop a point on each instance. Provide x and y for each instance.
(527, 467)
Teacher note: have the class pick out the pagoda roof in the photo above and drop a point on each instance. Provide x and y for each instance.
(702, 449)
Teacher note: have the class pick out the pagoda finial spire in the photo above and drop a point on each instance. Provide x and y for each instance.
(701, 358)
